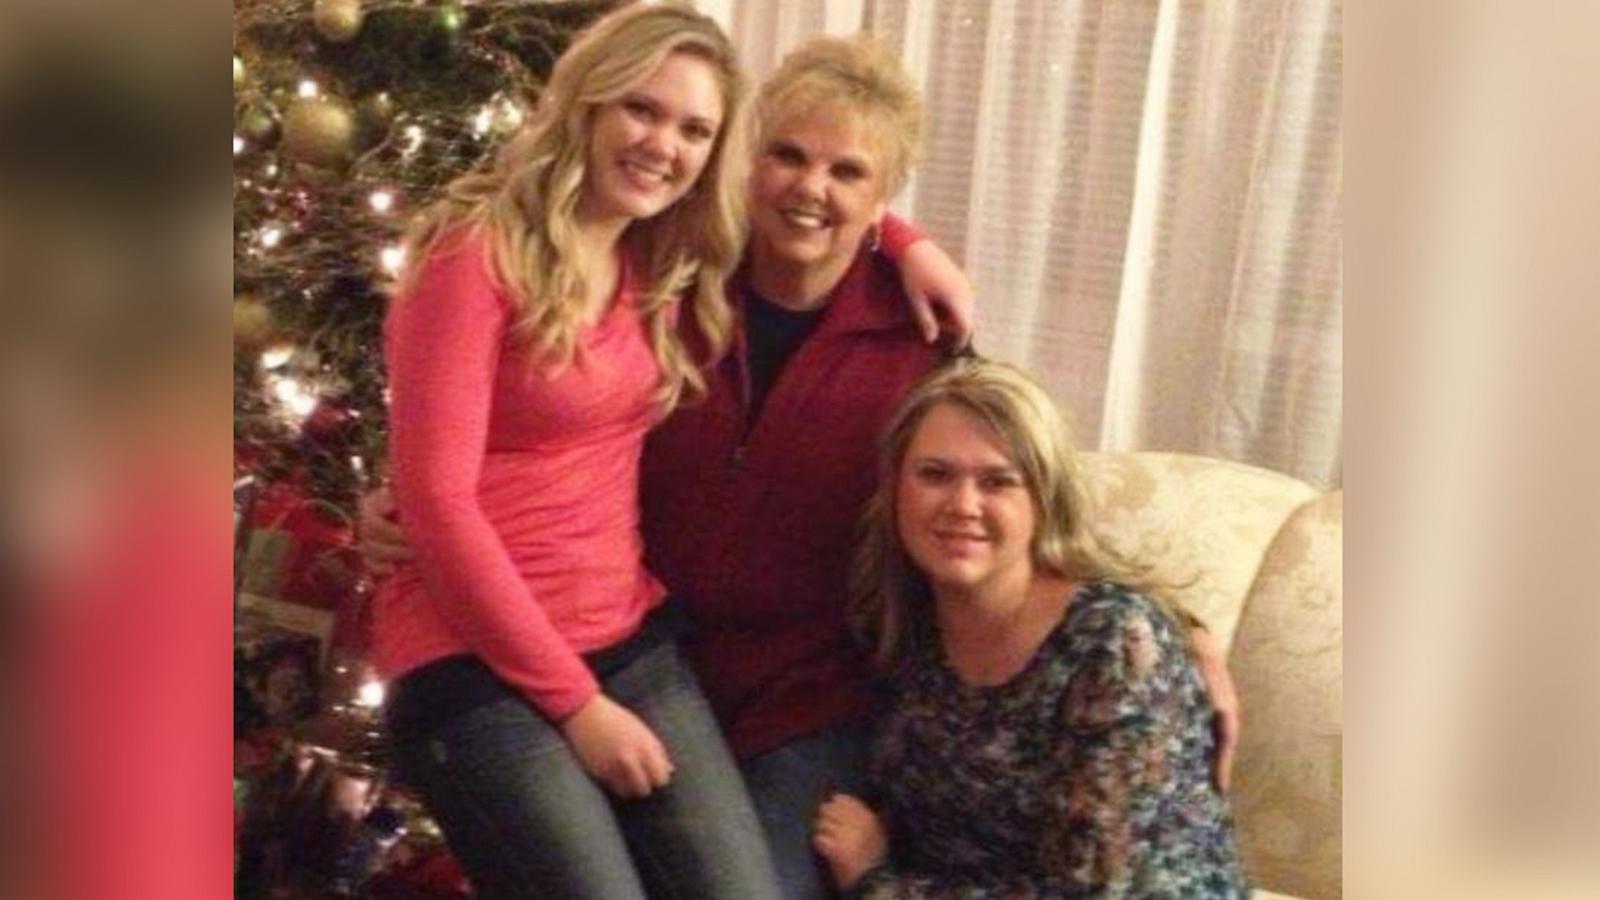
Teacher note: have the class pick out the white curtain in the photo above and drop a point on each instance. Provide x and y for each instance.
(1147, 194)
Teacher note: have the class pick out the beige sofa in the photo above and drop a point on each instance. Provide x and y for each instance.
(1261, 554)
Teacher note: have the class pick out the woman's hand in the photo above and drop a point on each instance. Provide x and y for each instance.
(850, 837)
(378, 536)
(941, 296)
(617, 748)
(1213, 665)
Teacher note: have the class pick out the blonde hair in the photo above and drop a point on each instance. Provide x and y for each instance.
(860, 75)
(887, 589)
(525, 203)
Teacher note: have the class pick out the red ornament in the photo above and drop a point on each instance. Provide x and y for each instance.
(432, 875)
(329, 421)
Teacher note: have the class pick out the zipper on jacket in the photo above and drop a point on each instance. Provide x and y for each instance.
(746, 424)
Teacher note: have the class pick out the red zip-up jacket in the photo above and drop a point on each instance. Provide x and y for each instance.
(754, 523)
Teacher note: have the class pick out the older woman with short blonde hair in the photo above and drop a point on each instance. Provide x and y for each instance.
(751, 499)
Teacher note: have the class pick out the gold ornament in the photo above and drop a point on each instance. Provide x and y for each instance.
(320, 131)
(373, 116)
(378, 108)
(337, 20)
(252, 321)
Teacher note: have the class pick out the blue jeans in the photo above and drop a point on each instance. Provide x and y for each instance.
(788, 783)
(526, 821)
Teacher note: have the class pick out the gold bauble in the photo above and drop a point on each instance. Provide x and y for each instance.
(337, 20)
(319, 131)
(377, 109)
(373, 116)
(252, 321)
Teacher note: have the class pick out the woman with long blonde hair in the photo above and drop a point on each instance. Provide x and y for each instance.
(539, 701)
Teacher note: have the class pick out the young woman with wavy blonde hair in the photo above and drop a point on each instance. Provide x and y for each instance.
(540, 703)
(530, 203)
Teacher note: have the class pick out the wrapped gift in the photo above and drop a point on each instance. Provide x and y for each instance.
(276, 676)
(298, 568)
(299, 549)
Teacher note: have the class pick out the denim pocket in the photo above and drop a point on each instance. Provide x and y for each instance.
(488, 739)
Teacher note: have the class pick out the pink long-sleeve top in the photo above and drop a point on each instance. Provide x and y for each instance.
(517, 486)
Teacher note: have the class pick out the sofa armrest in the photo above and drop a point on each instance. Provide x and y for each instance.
(1287, 661)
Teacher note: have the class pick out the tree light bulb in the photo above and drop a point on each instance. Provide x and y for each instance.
(292, 394)
(277, 357)
(413, 136)
(381, 201)
(370, 695)
(510, 115)
(308, 89)
(392, 259)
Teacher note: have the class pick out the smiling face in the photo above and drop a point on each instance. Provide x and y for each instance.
(647, 147)
(817, 184)
(963, 509)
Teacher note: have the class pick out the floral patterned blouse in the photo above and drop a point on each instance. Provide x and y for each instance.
(1088, 774)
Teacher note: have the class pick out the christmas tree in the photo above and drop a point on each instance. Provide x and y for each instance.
(349, 117)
